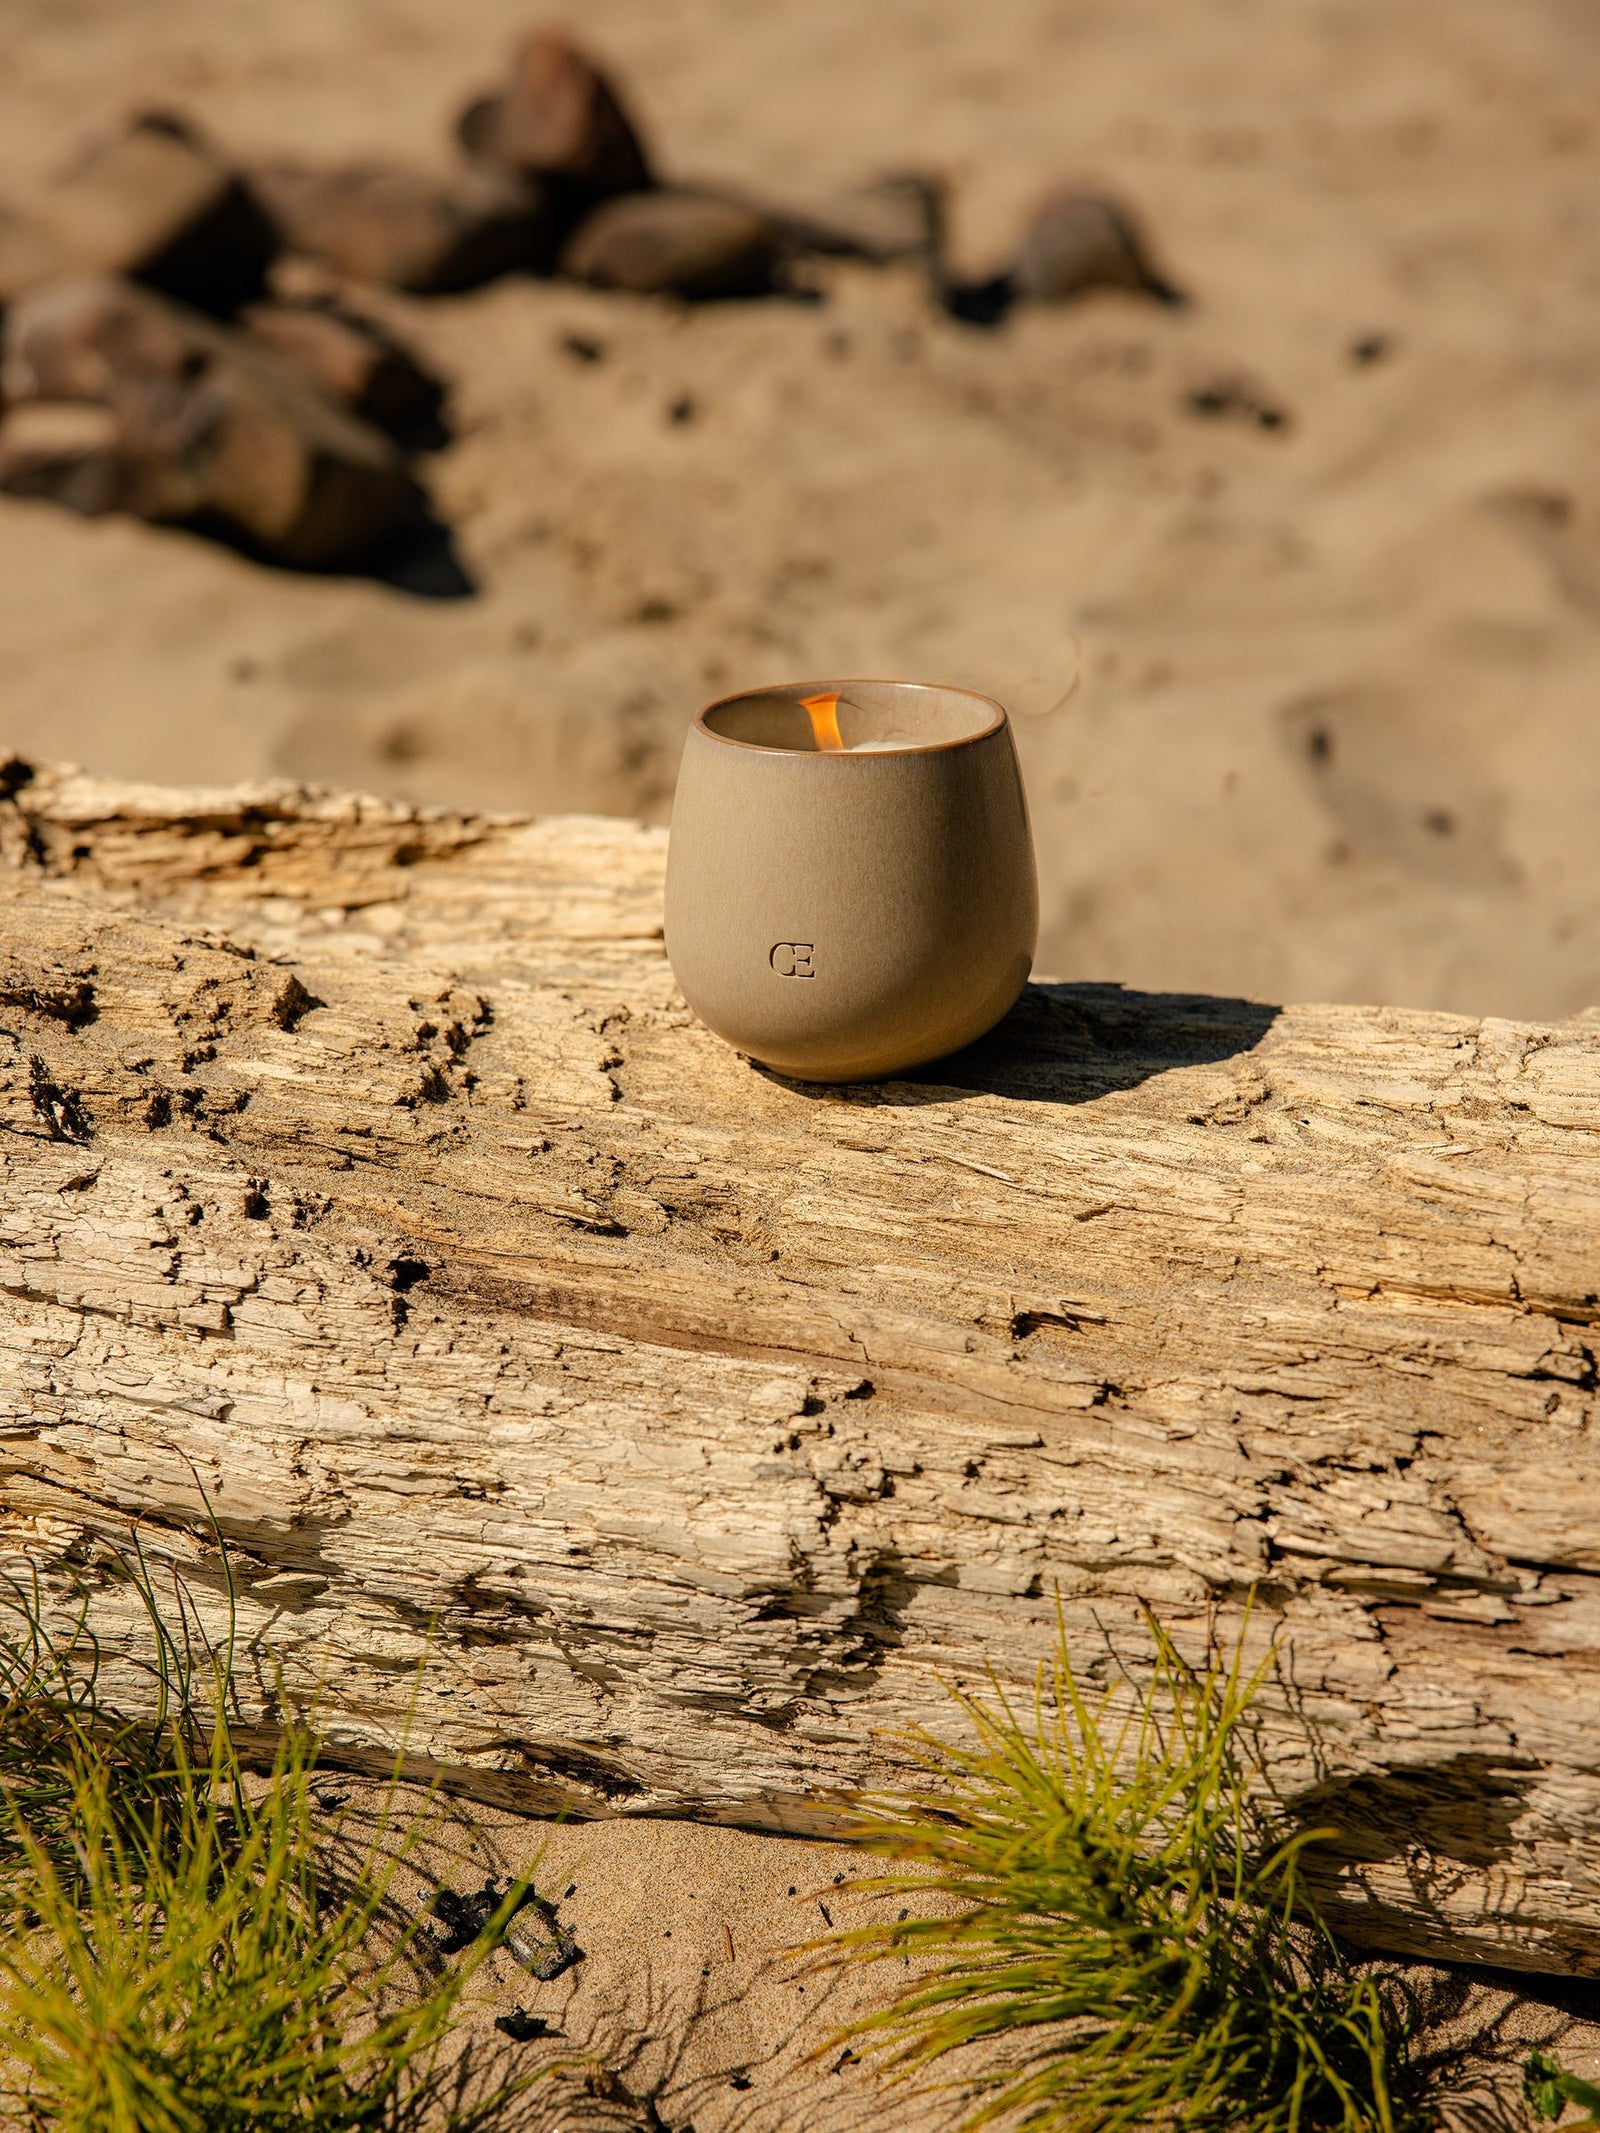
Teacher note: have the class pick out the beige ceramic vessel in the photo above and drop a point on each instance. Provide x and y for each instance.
(845, 916)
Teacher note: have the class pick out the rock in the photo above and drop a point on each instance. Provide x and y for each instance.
(29, 254)
(62, 449)
(408, 229)
(209, 426)
(520, 2026)
(1238, 396)
(157, 202)
(462, 1919)
(680, 244)
(476, 123)
(1081, 240)
(534, 1936)
(538, 1940)
(356, 362)
(90, 337)
(559, 117)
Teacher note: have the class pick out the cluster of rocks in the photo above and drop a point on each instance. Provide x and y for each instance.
(149, 363)
(167, 352)
(533, 1935)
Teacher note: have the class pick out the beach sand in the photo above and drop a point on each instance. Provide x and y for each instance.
(700, 1997)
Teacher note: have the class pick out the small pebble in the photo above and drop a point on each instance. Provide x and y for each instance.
(1237, 397)
(1080, 240)
(462, 1917)
(538, 1941)
(520, 2026)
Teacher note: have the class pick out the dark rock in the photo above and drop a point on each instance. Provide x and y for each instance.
(156, 202)
(678, 244)
(209, 425)
(383, 222)
(356, 362)
(61, 449)
(558, 116)
(463, 1919)
(1240, 398)
(1081, 240)
(1372, 348)
(520, 2026)
(538, 1940)
(534, 1936)
(980, 303)
(542, 1944)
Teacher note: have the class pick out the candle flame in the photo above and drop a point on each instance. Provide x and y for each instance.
(823, 712)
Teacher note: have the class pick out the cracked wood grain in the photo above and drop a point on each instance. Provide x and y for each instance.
(691, 1430)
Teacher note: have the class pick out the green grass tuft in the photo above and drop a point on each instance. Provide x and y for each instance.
(182, 1948)
(1549, 2088)
(1130, 1933)
(54, 1723)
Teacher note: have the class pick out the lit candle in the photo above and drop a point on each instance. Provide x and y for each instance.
(823, 711)
(842, 925)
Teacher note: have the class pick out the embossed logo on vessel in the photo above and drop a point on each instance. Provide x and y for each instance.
(792, 959)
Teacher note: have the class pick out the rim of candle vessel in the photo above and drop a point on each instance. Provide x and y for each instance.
(800, 689)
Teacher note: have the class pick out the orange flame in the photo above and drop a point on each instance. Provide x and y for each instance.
(824, 714)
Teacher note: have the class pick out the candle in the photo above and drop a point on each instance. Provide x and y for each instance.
(848, 926)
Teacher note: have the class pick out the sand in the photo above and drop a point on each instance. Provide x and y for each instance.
(1306, 711)
(700, 2005)
(697, 1996)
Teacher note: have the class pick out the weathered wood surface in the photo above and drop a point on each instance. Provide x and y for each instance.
(366, 1166)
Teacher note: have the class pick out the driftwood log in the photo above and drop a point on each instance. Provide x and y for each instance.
(691, 1430)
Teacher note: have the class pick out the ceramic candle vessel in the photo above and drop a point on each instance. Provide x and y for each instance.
(845, 915)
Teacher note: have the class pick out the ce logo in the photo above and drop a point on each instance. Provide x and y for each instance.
(792, 959)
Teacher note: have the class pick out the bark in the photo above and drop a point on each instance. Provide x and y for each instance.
(691, 1431)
